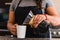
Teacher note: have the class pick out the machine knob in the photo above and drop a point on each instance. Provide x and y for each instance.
(54, 33)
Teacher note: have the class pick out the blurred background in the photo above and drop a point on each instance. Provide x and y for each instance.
(4, 10)
(57, 5)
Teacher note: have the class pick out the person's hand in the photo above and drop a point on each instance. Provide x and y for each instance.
(12, 29)
(38, 19)
(54, 20)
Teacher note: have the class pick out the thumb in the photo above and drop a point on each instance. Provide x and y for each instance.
(16, 25)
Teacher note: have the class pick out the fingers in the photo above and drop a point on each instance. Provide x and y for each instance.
(12, 29)
(38, 19)
(13, 32)
(15, 25)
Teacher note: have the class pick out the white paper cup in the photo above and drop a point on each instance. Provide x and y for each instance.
(21, 31)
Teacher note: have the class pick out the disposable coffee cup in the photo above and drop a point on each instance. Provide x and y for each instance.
(21, 31)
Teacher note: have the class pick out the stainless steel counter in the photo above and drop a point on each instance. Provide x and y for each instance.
(14, 38)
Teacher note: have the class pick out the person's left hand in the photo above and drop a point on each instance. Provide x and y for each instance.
(37, 19)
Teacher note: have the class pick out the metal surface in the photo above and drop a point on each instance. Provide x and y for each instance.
(14, 38)
(55, 33)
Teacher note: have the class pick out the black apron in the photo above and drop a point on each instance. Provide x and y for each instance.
(20, 15)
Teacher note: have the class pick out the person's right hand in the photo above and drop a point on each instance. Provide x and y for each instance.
(36, 20)
(12, 29)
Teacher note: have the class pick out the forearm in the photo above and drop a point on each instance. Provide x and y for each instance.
(11, 19)
(54, 20)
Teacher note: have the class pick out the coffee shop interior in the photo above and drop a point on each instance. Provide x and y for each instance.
(4, 10)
